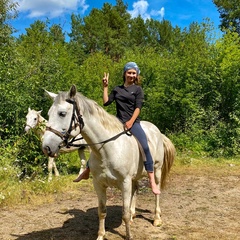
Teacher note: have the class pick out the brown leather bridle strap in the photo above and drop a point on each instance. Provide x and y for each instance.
(56, 132)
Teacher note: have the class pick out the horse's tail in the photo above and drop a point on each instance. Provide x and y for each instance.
(169, 155)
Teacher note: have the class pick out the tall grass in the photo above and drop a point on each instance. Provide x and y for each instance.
(36, 189)
(17, 188)
(15, 193)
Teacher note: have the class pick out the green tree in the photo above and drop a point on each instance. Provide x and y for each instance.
(230, 14)
(103, 30)
(229, 72)
(76, 44)
(57, 34)
(184, 79)
(47, 64)
(7, 70)
(161, 35)
(117, 29)
(226, 132)
(138, 33)
(153, 36)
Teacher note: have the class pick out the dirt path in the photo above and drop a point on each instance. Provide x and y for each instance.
(197, 204)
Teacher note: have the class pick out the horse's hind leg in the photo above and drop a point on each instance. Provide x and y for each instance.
(83, 160)
(133, 201)
(157, 218)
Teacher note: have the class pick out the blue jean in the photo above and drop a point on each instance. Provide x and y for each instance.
(138, 132)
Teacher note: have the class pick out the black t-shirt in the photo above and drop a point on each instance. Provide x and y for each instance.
(127, 100)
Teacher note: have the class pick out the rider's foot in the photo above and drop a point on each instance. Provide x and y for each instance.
(153, 184)
(155, 189)
(83, 175)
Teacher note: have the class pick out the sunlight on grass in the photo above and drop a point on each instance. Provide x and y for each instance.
(188, 162)
(38, 191)
(192, 160)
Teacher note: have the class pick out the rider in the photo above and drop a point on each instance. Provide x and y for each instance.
(129, 99)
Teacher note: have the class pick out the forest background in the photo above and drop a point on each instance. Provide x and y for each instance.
(190, 76)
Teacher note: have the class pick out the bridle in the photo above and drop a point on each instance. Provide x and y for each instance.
(77, 121)
(38, 125)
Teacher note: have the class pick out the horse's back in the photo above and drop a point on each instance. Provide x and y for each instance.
(125, 157)
(150, 129)
(152, 132)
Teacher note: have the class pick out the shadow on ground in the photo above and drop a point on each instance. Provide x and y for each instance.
(82, 225)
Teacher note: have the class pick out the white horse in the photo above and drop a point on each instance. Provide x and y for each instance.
(37, 123)
(116, 159)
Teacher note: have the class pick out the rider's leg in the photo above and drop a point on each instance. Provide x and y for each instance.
(138, 132)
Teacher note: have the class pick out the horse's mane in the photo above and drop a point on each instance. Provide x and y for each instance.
(90, 107)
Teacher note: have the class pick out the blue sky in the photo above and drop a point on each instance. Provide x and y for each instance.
(178, 12)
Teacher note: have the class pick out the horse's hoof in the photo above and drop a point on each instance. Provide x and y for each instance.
(100, 238)
(157, 223)
(129, 238)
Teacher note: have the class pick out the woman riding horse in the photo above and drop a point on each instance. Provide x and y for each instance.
(129, 100)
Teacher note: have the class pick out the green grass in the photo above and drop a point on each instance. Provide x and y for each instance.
(187, 163)
(36, 192)
(34, 188)
(189, 159)
(14, 192)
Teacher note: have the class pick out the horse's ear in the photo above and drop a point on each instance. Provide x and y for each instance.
(29, 109)
(51, 95)
(73, 91)
(39, 112)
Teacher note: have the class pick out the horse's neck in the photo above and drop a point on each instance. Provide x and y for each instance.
(95, 131)
(41, 126)
(91, 136)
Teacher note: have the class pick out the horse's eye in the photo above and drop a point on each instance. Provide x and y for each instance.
(62, 114)
(35, 119)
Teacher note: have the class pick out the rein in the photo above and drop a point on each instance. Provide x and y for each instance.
(71, 144)
(77, 120)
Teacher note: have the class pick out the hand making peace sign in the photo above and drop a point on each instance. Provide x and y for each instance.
(105, 79)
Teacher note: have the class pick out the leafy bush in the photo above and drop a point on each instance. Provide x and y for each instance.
(29, 157)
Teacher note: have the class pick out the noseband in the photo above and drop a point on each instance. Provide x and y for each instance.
(76, 121)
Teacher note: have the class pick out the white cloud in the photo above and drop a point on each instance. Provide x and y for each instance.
(141, 8)
(160, 13)
(50, 8)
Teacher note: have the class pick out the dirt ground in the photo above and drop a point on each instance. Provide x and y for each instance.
(198, 203)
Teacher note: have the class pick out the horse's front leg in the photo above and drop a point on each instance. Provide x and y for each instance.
(55, 168)
(127, 198)
(50, 167)
(102, 210)
(133, 201)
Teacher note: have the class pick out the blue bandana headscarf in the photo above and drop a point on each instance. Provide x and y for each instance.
(131, 65)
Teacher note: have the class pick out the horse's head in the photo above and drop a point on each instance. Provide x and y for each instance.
(32, 119)
(62, 122)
